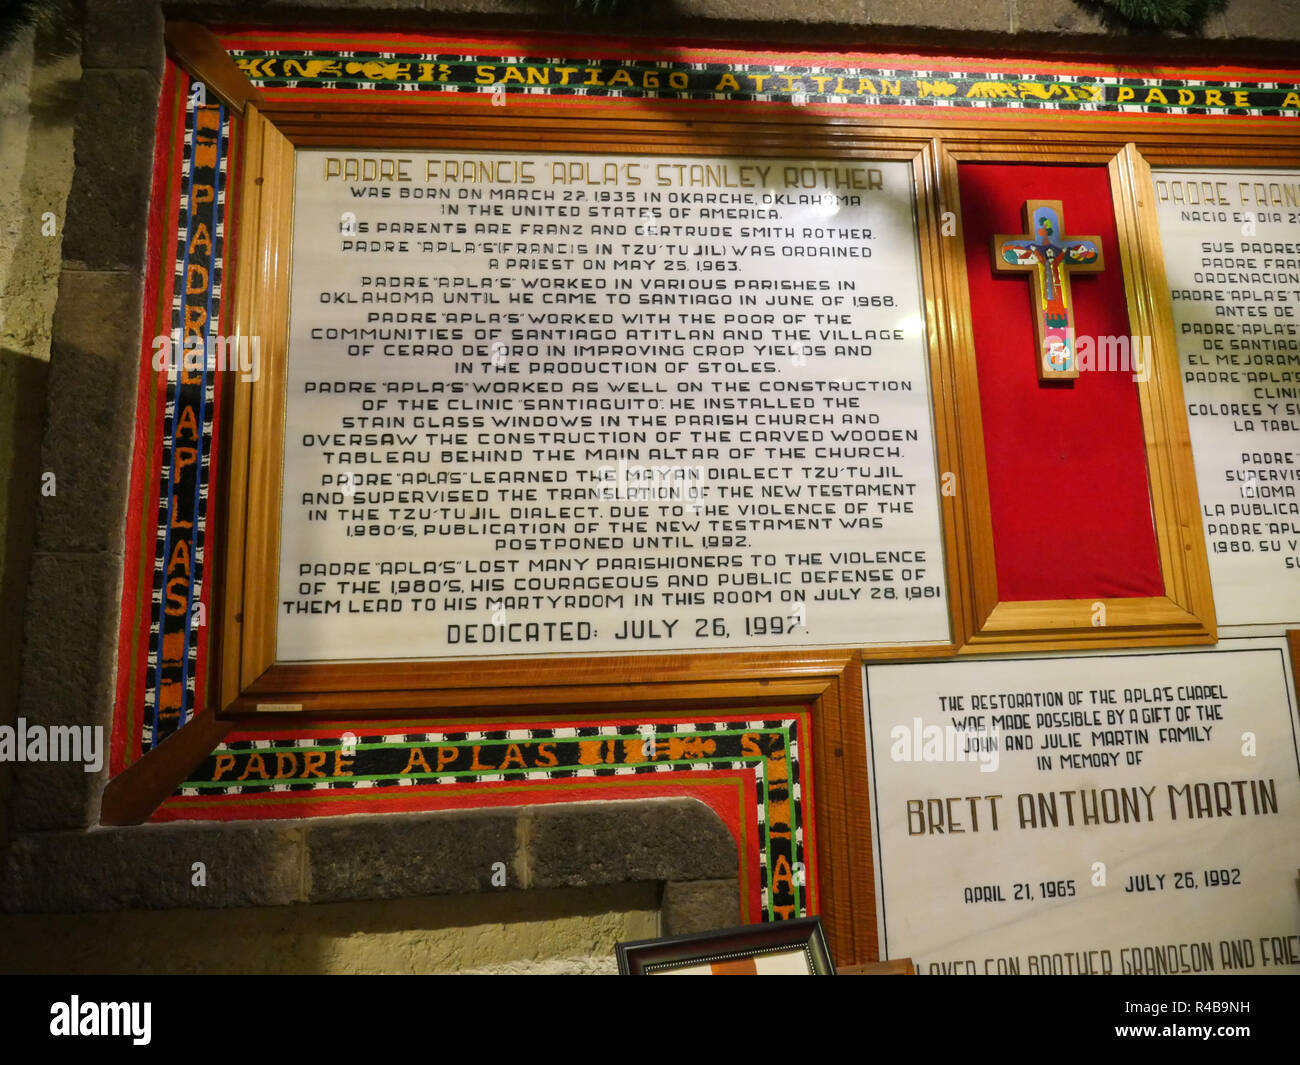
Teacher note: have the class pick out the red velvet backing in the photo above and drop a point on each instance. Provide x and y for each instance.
(1066, 460)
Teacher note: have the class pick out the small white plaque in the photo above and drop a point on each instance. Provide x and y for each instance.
(1118, 813)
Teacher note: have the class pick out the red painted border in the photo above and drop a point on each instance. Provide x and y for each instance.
(741, 822)
(212, 531)
(146, 457)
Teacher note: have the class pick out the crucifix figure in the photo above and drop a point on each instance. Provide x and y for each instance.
(1049, 257)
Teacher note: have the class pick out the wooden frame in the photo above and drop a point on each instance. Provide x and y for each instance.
(828, 685)
(249, 682)
(892, 967)
(1185, 614)
(252, 681)
(653, 957)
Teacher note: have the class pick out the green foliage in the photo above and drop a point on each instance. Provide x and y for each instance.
(1186, 15)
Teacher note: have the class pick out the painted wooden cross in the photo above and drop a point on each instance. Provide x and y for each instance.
(1049, 257)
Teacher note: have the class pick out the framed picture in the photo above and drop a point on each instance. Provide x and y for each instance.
(785, 948)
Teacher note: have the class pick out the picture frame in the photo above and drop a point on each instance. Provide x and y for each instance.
(1184, 614)
(247, 688)
(250, 679)
(782, 948)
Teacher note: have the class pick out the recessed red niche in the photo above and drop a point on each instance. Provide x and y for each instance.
(1067, 474)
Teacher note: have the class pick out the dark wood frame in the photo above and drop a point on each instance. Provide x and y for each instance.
(647, 957)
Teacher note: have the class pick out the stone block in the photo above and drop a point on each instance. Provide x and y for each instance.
(700, 906)
(202, 10)
(969, 17)
(608, 843)
(67, 679)
(152, 867)
(394, 856)
(1057, 18)
(1262, 20)
(123, 33)
(108, 206)
(94, 372)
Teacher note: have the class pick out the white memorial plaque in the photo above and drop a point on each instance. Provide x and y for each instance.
(1119, 813)
(1232, 255)
(549, 404)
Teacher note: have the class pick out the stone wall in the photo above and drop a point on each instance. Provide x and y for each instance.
(570, 931)
(39, 78)
(581, 876)
(565, 894)
(1248, 29)
(547, 889)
